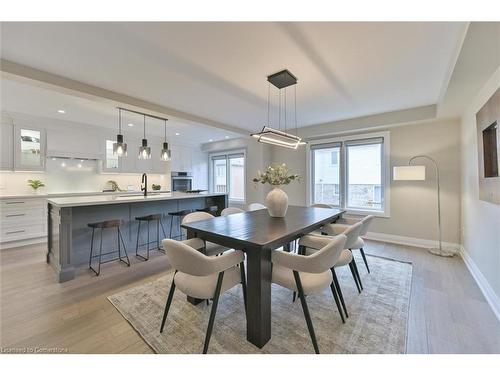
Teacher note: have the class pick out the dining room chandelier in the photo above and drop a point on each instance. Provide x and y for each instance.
(281, 136)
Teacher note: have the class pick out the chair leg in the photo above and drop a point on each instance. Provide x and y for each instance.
(339, 291)
(364, 259)
(120, 237)
(243, 284)
(91, 249)
(169, 302)
(355, 266)
(137, 242)
(213, 312)
(337, 302)
(171, 223)
(354, 277)
(302, 298)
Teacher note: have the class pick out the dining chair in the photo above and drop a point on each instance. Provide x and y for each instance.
(308, 274)
(313, 243)
(231, 210)
(255, 207)
(203, 277)
(340, 225)
(319, 205)
(208, 248)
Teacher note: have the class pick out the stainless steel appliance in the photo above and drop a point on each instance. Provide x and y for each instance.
(182, 181)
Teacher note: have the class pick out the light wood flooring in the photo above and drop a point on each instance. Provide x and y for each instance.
(448, 313)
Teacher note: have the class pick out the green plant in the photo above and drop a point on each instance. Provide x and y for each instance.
(276, 175)
(35, 184)
(114, 185)
(156, 187)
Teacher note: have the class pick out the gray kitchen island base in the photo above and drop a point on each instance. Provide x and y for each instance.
(69, 237)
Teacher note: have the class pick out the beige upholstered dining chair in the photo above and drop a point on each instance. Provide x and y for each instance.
(201, 276)
(341, 225)
(208, 248)
(255, 207)
(231, 210)
(308, 275)
(310, 243)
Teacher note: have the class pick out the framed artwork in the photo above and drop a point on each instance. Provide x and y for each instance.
(488, 141)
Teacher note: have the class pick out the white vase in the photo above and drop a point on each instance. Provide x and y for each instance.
(277, 202)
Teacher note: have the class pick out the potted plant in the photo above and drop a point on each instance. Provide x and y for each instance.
(277, 176)
(35, 184)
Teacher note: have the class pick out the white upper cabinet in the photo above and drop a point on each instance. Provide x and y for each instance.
(29, 148)
(73, 143)
(7, 147)
(181, 159)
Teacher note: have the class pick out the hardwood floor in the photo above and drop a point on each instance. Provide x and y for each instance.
(448, 313)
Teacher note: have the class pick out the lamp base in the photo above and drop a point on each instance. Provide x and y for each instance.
(442, 253)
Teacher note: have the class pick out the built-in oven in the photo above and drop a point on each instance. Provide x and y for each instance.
(182, 181)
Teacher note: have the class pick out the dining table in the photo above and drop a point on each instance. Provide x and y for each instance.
(258, 234)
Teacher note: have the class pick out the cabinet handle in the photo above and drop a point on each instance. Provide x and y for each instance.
(13, 215)
(16, 231)
(14, 202)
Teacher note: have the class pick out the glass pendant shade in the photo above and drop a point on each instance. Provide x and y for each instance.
(144, 150)
(165, 152)
(119, 147)
(278, 138)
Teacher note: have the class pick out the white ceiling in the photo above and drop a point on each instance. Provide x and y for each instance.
(25, 98)
(218, 70)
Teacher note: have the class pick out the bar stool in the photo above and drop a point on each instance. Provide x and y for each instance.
(104, 225)
(149, 219)
(209, 209)
(179, 215)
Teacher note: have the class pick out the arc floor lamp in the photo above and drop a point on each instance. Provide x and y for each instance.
(417, 173)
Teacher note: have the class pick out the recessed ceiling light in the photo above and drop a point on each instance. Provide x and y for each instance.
(61, 111)
(177, 134)
(227, 137)
(130, 124)
(210, 140)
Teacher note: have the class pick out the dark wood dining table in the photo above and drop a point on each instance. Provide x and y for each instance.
(258, 234)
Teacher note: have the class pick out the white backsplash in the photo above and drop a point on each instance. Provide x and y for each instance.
(74, 176)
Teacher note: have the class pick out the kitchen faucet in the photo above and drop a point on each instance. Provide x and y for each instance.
(145, 182)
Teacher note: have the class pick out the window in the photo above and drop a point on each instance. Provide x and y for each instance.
(350, 173)
(227, 172)
(30, 148)
(111, 159)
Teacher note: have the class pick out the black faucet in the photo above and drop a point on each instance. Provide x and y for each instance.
(145, 182)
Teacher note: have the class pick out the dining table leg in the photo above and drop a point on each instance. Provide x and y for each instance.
(258, 295)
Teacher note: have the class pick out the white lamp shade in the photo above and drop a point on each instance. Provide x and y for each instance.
(409, 173)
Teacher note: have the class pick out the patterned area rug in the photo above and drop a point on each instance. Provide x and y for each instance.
(377, 320)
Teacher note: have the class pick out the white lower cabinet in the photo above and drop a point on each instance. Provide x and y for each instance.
(22, 219)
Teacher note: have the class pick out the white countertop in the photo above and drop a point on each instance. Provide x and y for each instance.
(79, 194)
(117, 198)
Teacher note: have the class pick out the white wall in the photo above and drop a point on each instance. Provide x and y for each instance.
(480, 219)
(413, 203)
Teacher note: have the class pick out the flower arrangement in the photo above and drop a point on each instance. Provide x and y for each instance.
(276, 175)
(35, 184)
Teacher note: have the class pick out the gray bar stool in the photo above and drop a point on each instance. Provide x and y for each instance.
(209, 209)
(179, 215)
(148, 219)
(105, 225)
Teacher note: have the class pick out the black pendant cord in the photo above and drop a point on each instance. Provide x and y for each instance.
(279, 110)
(285, 109)
(295, 109)
(165, 130)
(144, 126)
(268, 102)
(119, 121)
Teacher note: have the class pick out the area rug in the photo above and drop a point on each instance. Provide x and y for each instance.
(377, 320)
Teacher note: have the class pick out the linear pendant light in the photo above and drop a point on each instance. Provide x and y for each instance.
(144, 150)
(277, 137)
(119, 147)
(165, 152)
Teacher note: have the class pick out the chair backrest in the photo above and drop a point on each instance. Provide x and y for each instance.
(196, 216)
(230, 211)
(321, 205)
(255, 207)
(325, 258)
(367, 221)
(185, 259)
(352, 234)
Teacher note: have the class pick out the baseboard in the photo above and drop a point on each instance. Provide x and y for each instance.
(412, 241)
(482, 283)
(30, 241)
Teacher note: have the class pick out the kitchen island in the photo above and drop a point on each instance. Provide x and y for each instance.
(69, 236)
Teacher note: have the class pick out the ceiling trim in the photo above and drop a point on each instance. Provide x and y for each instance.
(65, 85)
